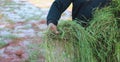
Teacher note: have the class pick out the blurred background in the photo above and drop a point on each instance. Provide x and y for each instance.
(22, 25)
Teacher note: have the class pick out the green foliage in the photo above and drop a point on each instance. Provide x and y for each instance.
(104, 29)
(97, 43)
(117, 51)
(116, 7)
(71, 45)
(116, 4)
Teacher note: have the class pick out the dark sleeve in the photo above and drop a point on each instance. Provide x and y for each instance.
(57, 8)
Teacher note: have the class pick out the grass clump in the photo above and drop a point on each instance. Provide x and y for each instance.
(99, 42)
(104, 29)
(71, 45)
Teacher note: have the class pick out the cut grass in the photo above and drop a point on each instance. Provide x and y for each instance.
(96, 43)
(71, 45)
(104, 29)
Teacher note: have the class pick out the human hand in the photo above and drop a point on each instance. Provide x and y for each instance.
(53, 28)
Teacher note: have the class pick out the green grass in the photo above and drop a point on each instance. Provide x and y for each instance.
(70, 45)
(116, 4)
(104, 29)
(97, 43)
(117, 50)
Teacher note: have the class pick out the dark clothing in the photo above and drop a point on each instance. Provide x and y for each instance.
(82, 9)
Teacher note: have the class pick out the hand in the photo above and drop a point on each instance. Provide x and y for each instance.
(53, 28)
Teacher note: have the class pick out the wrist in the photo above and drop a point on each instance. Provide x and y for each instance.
(53, 22)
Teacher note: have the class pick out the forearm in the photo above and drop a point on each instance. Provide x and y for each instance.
(57, 8)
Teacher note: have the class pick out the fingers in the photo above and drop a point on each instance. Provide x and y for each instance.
(53, 28)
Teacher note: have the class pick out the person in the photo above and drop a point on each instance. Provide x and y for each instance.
(81, 11)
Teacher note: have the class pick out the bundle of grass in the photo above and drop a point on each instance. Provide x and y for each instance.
(97, 43)
(104, 29)
(71, 45)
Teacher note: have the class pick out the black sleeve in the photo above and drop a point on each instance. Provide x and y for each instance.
(57, 8)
